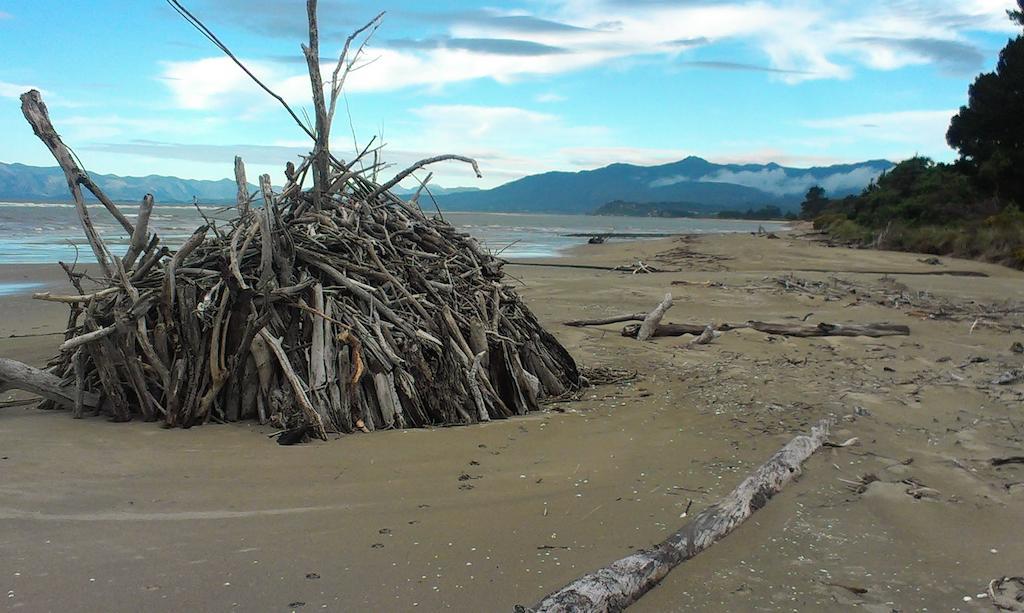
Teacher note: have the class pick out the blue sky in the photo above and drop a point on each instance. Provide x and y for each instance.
(524, 87)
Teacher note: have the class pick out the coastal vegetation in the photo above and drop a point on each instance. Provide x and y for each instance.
(689, 209)
(969, 208)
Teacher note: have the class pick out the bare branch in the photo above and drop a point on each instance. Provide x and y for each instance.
(195, 23)
(420, 164)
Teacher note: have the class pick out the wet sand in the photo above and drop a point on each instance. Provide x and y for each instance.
(100, 516)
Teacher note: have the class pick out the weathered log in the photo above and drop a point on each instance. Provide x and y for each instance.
(601, 321)
(650, 323)
(706, 336)
(783, 329)
(622, 582)
(825, 329)
(665, 329)
(17, 375)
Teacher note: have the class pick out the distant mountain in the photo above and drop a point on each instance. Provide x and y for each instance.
(693, 180)
(21, 182)
(437, 190)
(702, 185)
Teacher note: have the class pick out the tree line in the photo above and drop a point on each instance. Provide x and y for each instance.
(970, 207)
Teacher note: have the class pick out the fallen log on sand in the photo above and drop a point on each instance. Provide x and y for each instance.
(782, 329)
(622, 582)
(15, 375)
(825, 329)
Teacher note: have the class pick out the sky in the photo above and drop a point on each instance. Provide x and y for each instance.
(523, 87)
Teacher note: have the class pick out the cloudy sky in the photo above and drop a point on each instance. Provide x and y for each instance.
(523, 86)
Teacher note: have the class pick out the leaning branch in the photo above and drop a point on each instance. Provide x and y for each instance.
(420, 164)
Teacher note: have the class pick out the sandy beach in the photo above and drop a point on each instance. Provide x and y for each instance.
(119, 517)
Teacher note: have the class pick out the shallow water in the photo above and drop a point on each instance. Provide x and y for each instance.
(46, 232)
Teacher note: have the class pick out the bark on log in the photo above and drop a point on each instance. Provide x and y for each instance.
(874, 330)
(653, 318)
(621, 583)
(600, 321)
(825, 329)
(17, 375)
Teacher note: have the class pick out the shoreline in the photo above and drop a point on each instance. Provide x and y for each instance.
(214, 516)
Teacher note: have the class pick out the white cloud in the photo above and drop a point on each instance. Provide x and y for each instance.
(111, 126)
(549, 97)
(4, 15)
(14, 90)
(799, 41)
(595, 157)
(778, 182)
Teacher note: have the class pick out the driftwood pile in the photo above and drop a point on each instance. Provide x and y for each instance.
(331, 309)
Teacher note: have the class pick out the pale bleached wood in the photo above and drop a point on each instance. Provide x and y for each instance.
(75, 298)
(651, 321)
(17, 375)
(242, 196)
(312, 417)
(622, 582)
(141, 234)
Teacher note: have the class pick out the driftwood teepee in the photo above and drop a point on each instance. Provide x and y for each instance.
(335, 308)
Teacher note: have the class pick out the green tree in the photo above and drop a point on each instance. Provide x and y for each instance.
(814, 203)
(989, 132)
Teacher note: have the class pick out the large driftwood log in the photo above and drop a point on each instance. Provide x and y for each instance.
(621, 583)
(825, 329)
(874, 330)
(16, 375)
(650, 323)
(601, 321)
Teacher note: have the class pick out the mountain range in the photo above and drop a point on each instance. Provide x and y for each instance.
(704, 185)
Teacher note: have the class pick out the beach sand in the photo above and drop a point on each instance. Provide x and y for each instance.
(102, 516)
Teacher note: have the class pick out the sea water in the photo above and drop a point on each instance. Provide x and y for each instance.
(47, 232)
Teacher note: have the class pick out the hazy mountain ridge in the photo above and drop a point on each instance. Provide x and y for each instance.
(21, 182)
(693, 180)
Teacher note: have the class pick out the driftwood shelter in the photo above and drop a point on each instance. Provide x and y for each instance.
(329, 308)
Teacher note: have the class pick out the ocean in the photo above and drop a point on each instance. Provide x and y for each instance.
(46, 232)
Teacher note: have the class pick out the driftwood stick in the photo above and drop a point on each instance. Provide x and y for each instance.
(17, 375)
(243, 188)
(622, 582)
(140, 235)
(320, 155)
(274, 344)
(75, 298)
(650, 323)
(420, 164)
(34, 109)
